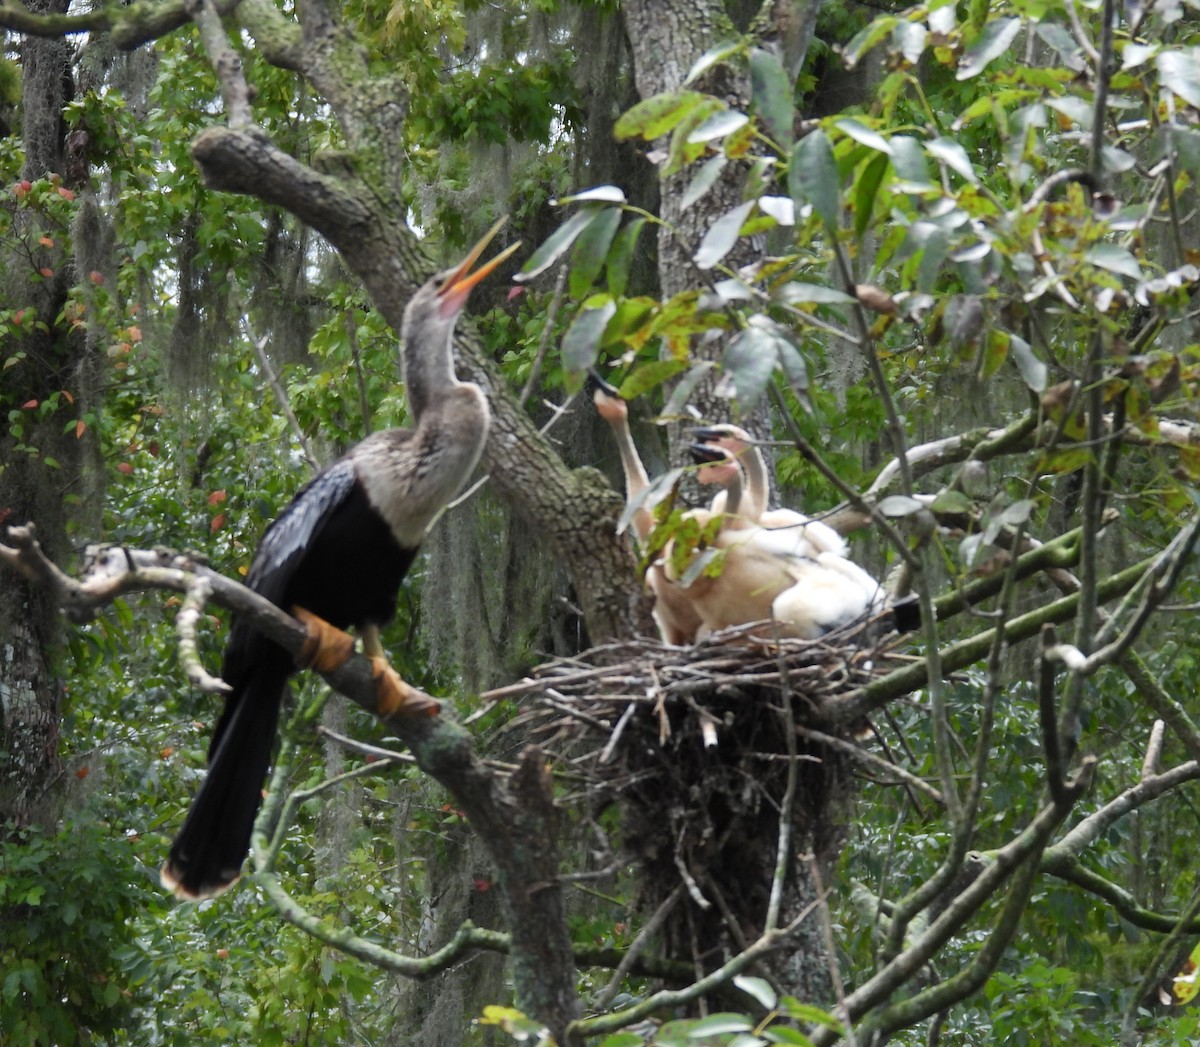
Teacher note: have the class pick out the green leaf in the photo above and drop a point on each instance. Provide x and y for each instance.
(759, 988)
(806, 1012)
(604, 194)
(771, 92)
(1180, 71)
(705, 178)
(684, 388)
(721, 236)
(750, 360)
(555, 245)
(908, 160)
(714, 56)
(716, 1024)
(782, 1034)
(1033, 371)
(909, 39)
(718, 126)
(866, 187)
(1115, 259)
(650, 375)
(867, 38)
(898, 505)
(863, 134)
(953, 156)
(591, 249)
(951, 502)
(582, 340)
(813, 177)
(995, 40)
(799, 293)
(655, 116)
(621, 256)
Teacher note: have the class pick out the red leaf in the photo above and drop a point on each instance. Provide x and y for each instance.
(29, 405)
(216, 498)
(80, 428)
(218, 522)
(124, 468)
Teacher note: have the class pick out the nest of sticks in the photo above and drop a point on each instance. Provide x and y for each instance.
(706, 750)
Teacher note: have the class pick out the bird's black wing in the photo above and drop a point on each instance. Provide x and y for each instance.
(296, 528)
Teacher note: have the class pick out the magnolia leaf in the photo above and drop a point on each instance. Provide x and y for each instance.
(759, 988)
(648, 497)
(698, 565)
(1018, 512)
(771, 91)
(866, 187)
(863, 134)
(705, 178)
(603, 194)
(909, 39)
(1180, 71)
(953, 156)
(713, 56)
(1115, 259)
(897, 505)
(1033, 371)
(721, 236)
(733, 290)
(1063, 42)
(620, 257)
(718, 126)
(1135, 54)
(1074, 109)
(867, 38)
(556, 244)
(716, 1024)
(749, 361)
(799, 293)
(908, 160)
(951, 502)
(813, 177)
(995, 40)
(806, 1012)
(684, 388)
(781, 208)
(591, 249)
(648, 376)
(582, 340)
(655, 116)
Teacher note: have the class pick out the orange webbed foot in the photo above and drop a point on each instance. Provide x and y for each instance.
(325, 648)
(394, 697)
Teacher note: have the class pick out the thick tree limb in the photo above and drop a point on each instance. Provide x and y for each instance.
(517, 832)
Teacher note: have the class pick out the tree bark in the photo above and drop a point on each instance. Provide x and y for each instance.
(34, 481)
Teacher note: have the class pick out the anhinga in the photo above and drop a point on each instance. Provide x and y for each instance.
(818, 536)
(335, 558)
(674, 614)
(774, 573)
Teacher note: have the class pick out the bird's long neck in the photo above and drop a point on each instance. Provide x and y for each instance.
(636, 478)
(428, 372)
(756, 482)
(733, 492)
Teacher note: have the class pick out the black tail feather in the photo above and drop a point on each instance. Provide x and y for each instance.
(207, 855)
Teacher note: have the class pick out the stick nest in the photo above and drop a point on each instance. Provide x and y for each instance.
(695, 744)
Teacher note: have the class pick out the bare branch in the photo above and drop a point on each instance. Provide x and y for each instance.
(198, 592)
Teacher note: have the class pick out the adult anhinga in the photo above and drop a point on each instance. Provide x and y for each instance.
(335, 557)
(674, 614)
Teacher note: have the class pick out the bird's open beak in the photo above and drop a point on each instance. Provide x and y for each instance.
(704, 434)
(454, 292)
(596, 384)
(706, 454)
